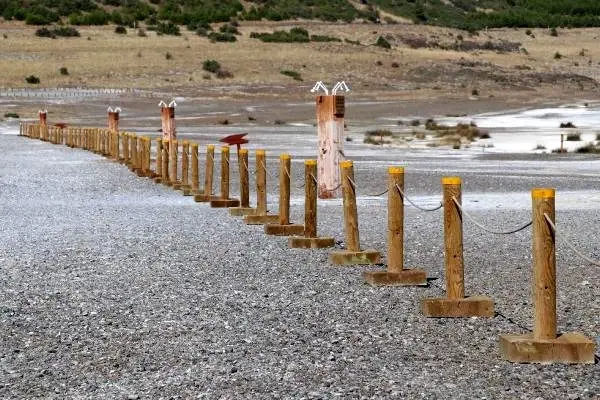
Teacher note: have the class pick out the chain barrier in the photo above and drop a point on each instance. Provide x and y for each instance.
(483, 227)
(418, 207)
(569, 244)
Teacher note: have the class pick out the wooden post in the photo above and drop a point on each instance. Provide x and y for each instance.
(126, 157)
(173, 155)
(284, 228)
(208, 177)
(134, 151)
(453, 239)
(168, 123)
(224, 201)
(260, 216)
(195, 182)
(562, 140)
(455, 305)
(310, 239)
(185, 165)
(330, 128)
(244, 208)
(43, 116)
(396, 274)
(165, 162)
(352, 255)
(158, 169)
(544, 346)
(113, 121)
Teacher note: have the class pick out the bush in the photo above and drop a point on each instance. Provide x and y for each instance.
(528, 32)
(63, 31)
(567, 125)
(142, 33)
(381, 42)
(557, 56)
(292, 74)
(121, 30)
(588, 149)
(221, 37)
(11, 115)
(573, 137)
(45, 32)
(356, 42)
(168, 56)
(32, 79)
(167, 29)
(229, 29)
(474, 92)
(202, 32)
(298, 35)
(223, 74)
(211, 66)
(553, 32)
(395, 65)
(63, 71)
(324, 38)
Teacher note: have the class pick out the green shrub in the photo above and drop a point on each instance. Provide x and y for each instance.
(45, 32)
(167, 29)
(553, 32)
(292, 74)
(168, 56)
(557, 56)
(573, 137)
(221, 37)
(63, 71)
(211, 66)
(66, 31)
(324, 38)
(381, 42)
(11, 115)
(298, 35)
(121, 30)
(32, 79)
(229, 29)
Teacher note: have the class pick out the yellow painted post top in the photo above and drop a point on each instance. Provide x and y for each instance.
(186, 143)
(194, 145)
(543, 193)
(243, 151)
(346, 164)
(210, 147)
(225, 149)
(395, 170)
(260, 152)
(310, 162)
(451, 180)
(285, 156)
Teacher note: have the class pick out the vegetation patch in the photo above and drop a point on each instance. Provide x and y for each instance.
(573, 137)
(32, 79)
(11, 115)
(292, 74)
(60, 31)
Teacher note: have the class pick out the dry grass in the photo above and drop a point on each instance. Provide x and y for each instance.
(110, 60)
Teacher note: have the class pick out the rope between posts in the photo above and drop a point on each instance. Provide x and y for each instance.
(369, 195)
(569, 244)
(416, 205)
(486, 229)
(267, 171)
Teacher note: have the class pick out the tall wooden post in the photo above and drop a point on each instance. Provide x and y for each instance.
(165, 162)
(185, 165)
(244, 208)
(310, 239)
(168, 122)
(208, 177)
(224, 201)
(544, 346)
(455, 305)
(396, 274)
(173, 155)
(195, 181)
(43, 116)
(330, 128)
(284, 228)
(261, 217)
(352, 255)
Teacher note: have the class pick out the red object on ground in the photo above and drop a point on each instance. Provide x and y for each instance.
(237, 139)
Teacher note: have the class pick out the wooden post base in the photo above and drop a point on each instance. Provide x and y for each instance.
(284, 230)
(158, 179)
(406, 277)
(204, 198)
(311, 243)
(141, 173)
(345, 257)
(261, 219)
(568, 348)
(241, 211)
(177, 185)
(167, 182)
(474, 306)
(224, 203)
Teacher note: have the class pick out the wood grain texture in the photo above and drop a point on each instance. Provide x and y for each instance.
(330, 130)
(224, 172)
(185, 163)
(261, 183)
(195, 183)
(159, 155)
(310, 201)
(244, 178)
(350, 210)
(173, 160)
(209, 170)
(395, 253)
(284, 189)
(544, 265)
(453, 239)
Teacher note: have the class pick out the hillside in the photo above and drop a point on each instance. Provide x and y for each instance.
(464, 14)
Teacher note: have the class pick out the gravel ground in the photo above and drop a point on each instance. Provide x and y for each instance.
(114, 287)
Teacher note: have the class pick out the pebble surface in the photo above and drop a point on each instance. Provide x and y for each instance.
(114, 287)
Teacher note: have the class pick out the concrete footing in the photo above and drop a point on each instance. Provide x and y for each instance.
(345, 257)
(241, 211)
(203, 198)
(568, 348)
(261, 219)
(284, 230)
(311, 243)
(406, 277)
(224, 203)
(474, 306)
